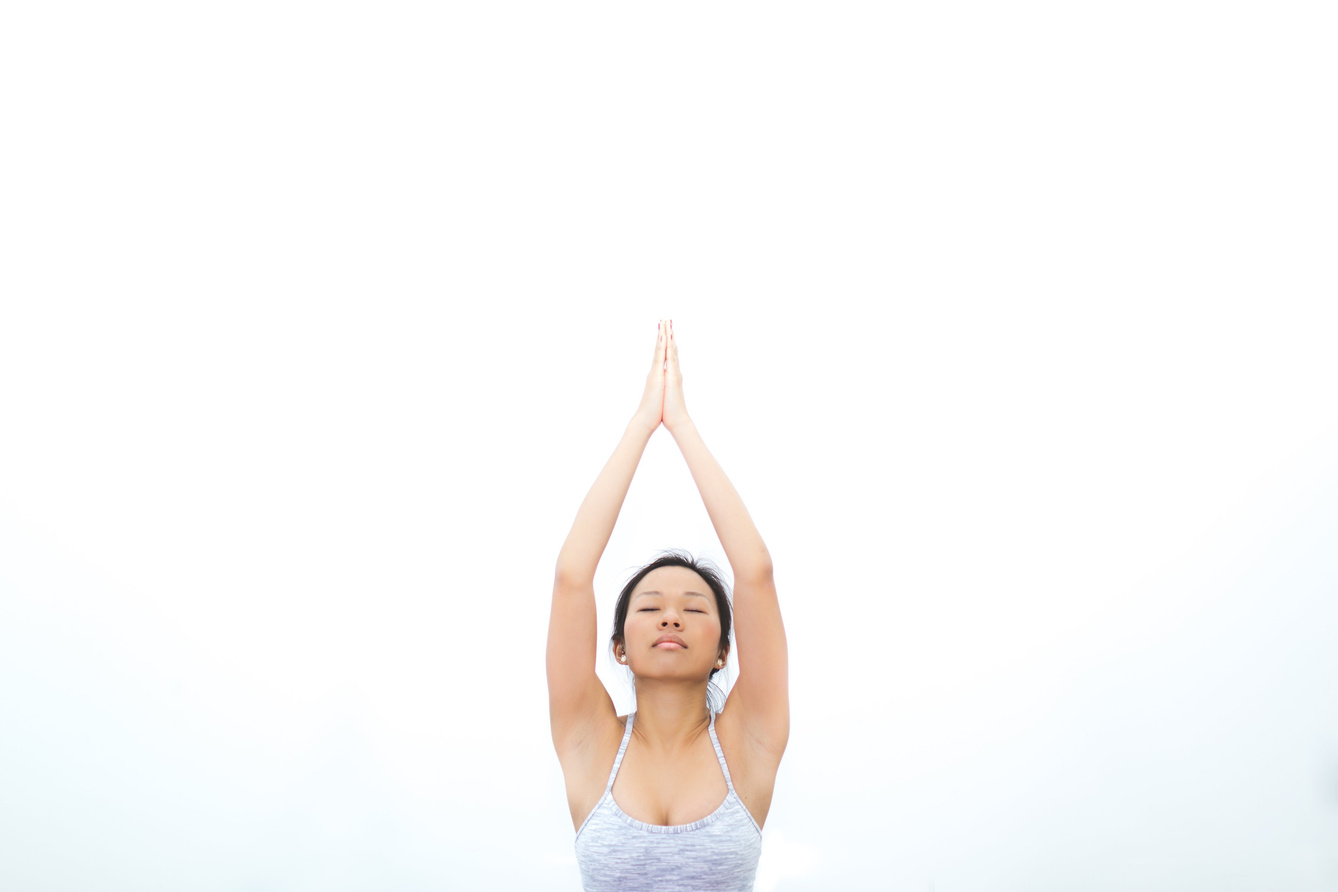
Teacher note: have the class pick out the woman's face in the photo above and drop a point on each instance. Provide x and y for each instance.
(673, 626)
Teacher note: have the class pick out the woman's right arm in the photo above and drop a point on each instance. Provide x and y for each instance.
(577, 700)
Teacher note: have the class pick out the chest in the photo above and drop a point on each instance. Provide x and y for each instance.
(670, 790)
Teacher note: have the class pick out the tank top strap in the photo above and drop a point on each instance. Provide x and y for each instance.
(618, 760)
(720, 754)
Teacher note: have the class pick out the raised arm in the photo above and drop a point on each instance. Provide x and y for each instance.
(760, 698)
(577, 700)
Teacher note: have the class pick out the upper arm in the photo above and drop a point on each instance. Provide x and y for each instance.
(578, 703)
(760, 699)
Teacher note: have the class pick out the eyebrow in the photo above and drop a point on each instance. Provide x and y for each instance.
(661, 594)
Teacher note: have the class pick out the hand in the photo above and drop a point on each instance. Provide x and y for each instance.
(651, 411)
(675, 411)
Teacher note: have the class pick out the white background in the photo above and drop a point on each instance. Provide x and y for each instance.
(1014, 325)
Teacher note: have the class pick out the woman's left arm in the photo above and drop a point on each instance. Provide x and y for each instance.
(761, 694)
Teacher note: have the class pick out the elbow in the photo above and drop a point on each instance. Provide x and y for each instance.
(756, 571)
(567, 577)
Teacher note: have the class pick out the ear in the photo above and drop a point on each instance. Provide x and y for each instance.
(620, 651)
(723, 658)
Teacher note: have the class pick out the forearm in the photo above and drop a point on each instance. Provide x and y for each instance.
(747, 553)
(599, 511)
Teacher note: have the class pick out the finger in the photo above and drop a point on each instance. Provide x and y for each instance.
(672, 350)
(660, 336)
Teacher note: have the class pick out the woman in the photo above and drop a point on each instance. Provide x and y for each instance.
(673, 796)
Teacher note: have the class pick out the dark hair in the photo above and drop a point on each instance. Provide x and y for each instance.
(673, 558)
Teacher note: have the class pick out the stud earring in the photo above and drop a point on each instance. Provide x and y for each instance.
(720, 664)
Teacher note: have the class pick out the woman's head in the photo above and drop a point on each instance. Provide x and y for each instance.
(672, 619)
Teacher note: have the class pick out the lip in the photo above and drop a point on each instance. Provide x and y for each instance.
(670, 642)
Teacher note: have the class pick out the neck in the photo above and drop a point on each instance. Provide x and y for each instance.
(670, 713)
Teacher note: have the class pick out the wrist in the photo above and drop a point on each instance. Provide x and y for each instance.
(642, 425)
(679, 425)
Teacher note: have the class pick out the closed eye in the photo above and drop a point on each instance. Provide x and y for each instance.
(644, 609)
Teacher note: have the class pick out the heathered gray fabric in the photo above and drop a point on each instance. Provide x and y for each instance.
(719, 853)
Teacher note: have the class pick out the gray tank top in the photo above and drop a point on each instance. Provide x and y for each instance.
(618, 853)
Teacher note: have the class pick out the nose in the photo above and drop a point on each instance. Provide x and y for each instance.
(670, 620)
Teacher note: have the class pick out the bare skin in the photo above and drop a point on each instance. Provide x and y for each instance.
(669, 774)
